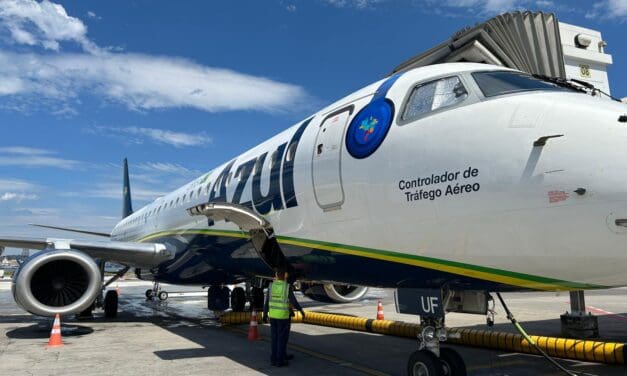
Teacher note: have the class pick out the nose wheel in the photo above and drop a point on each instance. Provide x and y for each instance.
(423, 363)
(431, 359)
(426, 363)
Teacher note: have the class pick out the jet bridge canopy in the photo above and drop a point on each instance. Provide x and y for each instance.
(527, 41)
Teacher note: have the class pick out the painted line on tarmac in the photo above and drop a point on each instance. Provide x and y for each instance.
(606, 313)
(496, 364)
(315, 354)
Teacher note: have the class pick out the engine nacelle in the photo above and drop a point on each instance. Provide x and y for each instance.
(334, 293)
(57, 281)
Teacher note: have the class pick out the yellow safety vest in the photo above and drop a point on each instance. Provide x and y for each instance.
(279, 302)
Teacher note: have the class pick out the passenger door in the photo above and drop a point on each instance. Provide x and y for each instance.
(326, 163)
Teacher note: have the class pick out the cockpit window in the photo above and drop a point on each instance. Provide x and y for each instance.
(493, 83)
(434, 95)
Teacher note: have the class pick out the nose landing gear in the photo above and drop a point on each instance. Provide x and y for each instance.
(431, 305)
(156, 292)
(430, 359)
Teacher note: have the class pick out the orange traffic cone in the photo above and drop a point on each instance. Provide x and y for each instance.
(55, 333)
(253, 331)
(380, 311)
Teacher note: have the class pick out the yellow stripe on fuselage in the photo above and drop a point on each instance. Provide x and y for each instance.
(399, 259)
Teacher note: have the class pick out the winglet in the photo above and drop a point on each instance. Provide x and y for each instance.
(127, 208)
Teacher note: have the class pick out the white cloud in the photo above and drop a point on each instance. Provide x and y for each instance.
(177, 139)
(92, 14)
(138, 81)
(15, 185)
(616, 9)
(13, 196)
(358, 4)
(167, 168)
(31, 157)
(291, 8)
(142, 82)
(114, 191)
(42, 23)
(16, 190)
(16, 221)
(138, 135)
(484, 7)
(24, 150)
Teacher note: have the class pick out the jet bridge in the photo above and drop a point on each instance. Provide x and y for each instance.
(533, 42)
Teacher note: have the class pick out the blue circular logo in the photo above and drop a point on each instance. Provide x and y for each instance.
(369, 128)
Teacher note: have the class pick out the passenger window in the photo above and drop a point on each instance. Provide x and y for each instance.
(433, 96)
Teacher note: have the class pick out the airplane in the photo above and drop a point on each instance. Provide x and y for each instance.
(445, 182)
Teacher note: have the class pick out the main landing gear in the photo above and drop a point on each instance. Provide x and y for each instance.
(156, 292)
(106, 299)
(220, 298)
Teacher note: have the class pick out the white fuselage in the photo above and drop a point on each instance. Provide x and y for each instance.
(462, 190)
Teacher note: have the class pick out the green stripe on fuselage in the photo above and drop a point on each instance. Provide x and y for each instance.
(526, 281)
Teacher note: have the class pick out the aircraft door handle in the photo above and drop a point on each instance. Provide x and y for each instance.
(320, 149)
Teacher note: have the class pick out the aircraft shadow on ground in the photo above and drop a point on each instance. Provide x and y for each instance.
(42, 331)
(237, 348)
(388, 350)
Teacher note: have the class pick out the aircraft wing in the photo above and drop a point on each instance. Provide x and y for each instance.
(128, 253)
(95, 233)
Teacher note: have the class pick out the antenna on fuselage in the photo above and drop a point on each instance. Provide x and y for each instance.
(127, 206)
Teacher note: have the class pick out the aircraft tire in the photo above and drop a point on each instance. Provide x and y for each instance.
(149, 294)
(452, 363)
(238, 299)
(424, 363)
(257, 299)
(218, 298)
(111, 304)
(87, 314)
(163, 295)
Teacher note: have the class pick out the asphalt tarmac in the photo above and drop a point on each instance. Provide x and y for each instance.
(181, 337)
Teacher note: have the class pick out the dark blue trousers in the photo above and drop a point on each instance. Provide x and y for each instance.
(280, 332)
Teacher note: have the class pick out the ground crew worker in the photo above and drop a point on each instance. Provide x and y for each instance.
(278, 306)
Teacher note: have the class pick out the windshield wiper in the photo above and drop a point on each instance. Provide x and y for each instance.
(575, 84)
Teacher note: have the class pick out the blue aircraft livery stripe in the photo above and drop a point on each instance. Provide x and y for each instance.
(382, 91)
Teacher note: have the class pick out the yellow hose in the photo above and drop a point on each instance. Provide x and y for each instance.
(575, 349)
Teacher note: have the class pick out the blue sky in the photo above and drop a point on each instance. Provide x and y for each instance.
(180, 87)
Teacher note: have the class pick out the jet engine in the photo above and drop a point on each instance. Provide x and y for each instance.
(57, 281)
(334, 293)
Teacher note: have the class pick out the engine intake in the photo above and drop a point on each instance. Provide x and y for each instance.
(57, 281)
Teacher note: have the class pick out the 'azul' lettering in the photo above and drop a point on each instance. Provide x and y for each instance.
(289, 193)
(272, 200)
(243, 173)
(281, 176)
(218, 192)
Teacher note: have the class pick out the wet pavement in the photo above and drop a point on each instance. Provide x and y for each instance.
(180, 336)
